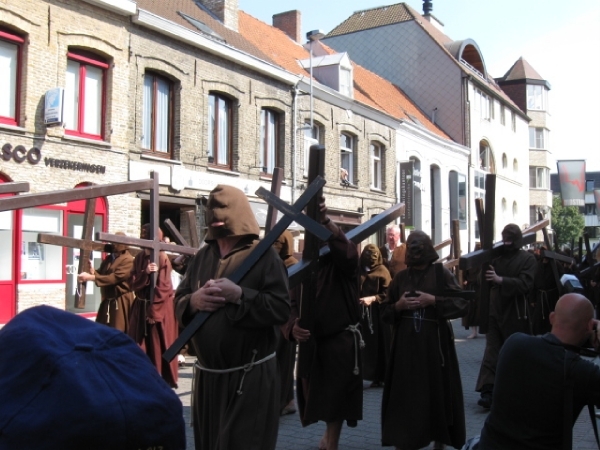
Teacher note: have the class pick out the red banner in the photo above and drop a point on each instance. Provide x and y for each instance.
(571, 175)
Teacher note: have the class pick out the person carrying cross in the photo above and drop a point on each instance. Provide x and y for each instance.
(236, 384)
(422, 396)
(112, 277)
(332, 389)
(511, 276)
(152, 323)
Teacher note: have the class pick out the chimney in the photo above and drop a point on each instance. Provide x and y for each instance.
(290, 22)
(427, 8)
(225, 10)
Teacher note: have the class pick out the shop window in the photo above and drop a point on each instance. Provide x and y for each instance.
(41, 261)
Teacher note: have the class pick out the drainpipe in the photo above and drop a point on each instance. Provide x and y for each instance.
(294, 139)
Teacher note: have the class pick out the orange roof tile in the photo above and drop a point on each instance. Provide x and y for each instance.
(369, 88)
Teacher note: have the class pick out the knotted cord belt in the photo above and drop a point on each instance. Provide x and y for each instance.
(358, 342)
(108, 300)
(246, 367)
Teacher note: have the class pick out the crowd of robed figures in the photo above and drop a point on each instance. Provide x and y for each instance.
(381, 315)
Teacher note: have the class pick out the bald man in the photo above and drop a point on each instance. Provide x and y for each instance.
(529, 396)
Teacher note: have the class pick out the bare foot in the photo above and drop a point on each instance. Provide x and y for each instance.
(323, 442)
(471, 336)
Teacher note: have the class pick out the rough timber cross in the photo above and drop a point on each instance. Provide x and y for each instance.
(87, 193)
(291, 213)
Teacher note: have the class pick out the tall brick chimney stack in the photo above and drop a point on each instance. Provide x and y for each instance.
(290, 22)
(225, 10)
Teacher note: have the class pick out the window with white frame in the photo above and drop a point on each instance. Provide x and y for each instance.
(538, 138)
(311, 137)
(269, 124)
(537, 97)
(503, 115)
(539, 177)
(513, 121)
(484, 104)
(10, 66)
(219, 130)
(157, 114)
(85, 86)
(486, 159)
(376, 154)
(345, 81)
(347, 143)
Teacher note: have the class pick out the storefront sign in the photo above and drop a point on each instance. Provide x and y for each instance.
(74, 165)
(20, 154)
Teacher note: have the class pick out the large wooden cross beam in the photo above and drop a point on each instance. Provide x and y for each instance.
(291, 213)
(88, 193)
(14, 187)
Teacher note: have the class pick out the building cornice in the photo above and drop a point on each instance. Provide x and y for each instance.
(421, 133)
(182, 34)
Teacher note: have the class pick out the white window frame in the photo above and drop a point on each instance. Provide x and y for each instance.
(376, 155)
(311, 137)
(539, 177)
(538, 138)
(269, 136)
(537, 97)
(220, 127)
(347, 155)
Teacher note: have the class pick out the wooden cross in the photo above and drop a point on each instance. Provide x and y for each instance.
(291, 213)
(553, 257)
(489, 249)
(89, 193)
(14, 187)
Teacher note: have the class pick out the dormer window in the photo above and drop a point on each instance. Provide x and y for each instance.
(334, 71)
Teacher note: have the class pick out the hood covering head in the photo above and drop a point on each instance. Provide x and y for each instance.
(285, 247)
(120, 247)
(419, 249)
(512, 233)
(145, 232)
(371, 257)
(229, 207)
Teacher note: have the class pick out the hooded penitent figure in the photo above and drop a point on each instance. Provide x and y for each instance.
(234, 408)
(152, 323)
(509, 304)
(374, 281)
(112, 277)
(422, 398)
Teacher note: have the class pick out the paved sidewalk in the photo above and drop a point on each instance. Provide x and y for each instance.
(367, 436)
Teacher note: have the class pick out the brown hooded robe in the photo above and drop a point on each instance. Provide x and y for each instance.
(374, 280)
(112, 277)
(236, 409)
(422, 397)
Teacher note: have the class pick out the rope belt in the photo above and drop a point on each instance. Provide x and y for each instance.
(108, 300)
(246, 367)
(358, 343)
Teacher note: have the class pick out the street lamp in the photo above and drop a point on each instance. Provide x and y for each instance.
(314, 35)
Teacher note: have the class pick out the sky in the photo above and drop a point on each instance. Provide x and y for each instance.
(561, 42)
